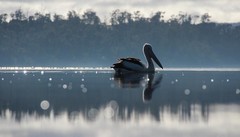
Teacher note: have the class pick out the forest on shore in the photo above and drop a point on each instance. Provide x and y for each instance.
(184, 40)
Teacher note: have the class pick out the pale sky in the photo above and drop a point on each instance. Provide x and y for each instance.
(219, 10)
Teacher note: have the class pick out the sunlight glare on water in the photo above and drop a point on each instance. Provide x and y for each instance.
(42, 72)
(106, 69)
(24, 72)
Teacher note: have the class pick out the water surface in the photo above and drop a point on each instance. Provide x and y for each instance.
(101, 103)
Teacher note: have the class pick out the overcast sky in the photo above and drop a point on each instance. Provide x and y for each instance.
(220, 10)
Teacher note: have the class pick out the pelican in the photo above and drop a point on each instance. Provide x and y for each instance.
(135, 65)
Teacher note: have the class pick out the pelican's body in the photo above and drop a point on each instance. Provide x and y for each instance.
(135, 65)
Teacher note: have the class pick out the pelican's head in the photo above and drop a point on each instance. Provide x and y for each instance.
(147, 48)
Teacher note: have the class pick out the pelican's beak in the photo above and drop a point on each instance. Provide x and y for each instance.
(153, 56)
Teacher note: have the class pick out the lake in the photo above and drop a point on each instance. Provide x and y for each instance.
(171, 103)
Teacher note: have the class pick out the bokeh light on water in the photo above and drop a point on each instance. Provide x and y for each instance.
(25, 72)
(237, 91)
(109, 112)
(42, 72)
(49, 84)
(83, 88)
(64, 86)
(204, 87)
(187, 91)
(111, 109)
(112, 85)
(70, 86)
(113, 104)
(44, 104)
(50, 79)
(92, 113)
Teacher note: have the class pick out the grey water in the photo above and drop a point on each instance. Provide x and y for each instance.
(105, 104)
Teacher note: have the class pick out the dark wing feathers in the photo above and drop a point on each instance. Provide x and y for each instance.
(120, 64)
(130, 59)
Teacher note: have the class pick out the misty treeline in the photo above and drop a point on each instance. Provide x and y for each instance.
(184, 40)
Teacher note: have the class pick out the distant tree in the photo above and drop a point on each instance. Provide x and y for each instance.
(57, 18)
(41, 18)
(137, 16)
(3, 18)
(205, 18)
(195, 19)
(18, 15)
(73, 17)
(90, 17)
(119, 17)
(173, 20)
(31, 18)
(157, 17)
(186, 19)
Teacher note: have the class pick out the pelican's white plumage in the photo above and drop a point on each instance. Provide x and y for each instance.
(135, 65)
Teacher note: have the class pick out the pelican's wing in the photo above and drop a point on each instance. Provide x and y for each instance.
(130, 64)
(130, 59)
(133, 61)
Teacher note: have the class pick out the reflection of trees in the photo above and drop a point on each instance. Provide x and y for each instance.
(24, 94)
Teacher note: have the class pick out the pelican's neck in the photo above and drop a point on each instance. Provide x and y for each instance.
(150, 65)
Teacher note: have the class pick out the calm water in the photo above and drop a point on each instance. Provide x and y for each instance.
(102, 104)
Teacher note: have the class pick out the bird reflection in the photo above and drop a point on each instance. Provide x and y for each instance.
(151, 86)
(129, 80)
(135, 80)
